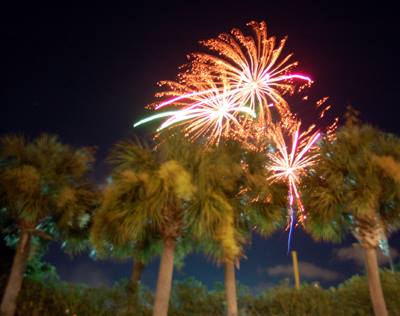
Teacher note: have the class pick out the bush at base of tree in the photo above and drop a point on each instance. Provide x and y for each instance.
(191, 297)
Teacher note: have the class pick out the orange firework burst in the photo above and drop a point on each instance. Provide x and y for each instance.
(290, 166)
(257, 75)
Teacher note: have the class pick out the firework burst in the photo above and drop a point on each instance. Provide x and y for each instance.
(290, 165)
(211, 111)
(253, 66)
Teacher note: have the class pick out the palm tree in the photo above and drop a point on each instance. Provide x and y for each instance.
(107, 236)
(233, 199)
(217, 178)
(109, 241)
(353, 189)
(44, 188)
(148, 198)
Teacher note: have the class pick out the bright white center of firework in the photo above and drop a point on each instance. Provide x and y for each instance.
(254, 85)
(221, 111)
(289, 171)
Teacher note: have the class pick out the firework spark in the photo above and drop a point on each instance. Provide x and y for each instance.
(290, 166)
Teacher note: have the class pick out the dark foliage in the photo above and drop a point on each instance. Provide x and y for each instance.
(191, 297)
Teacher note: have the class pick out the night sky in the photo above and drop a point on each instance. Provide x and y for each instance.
(86, 73)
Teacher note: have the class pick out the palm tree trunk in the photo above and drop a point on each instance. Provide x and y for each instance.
(137, 269)
(14, 283)
(164, 281)
(230, 289)
(374, 282)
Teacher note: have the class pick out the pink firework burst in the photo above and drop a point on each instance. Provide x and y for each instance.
(289, 165)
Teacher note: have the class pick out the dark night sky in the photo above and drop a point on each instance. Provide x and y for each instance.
(85, 73)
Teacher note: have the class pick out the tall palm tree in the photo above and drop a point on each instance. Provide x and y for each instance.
(148, 198)
(106, 233)
(217, 178)
(233, 199)
(351, 190)
(44, 188)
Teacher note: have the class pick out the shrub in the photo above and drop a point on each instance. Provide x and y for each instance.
(50, 296)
